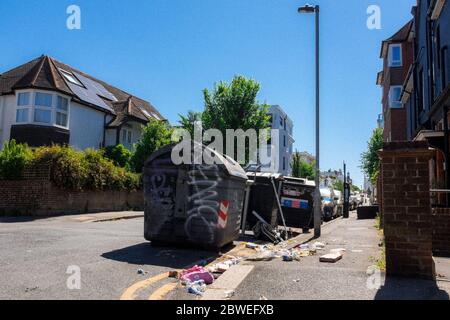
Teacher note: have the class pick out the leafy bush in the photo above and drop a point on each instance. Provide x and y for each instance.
(88, 170)
(68, 167)
(13, 159)
(155, 135)
(119, 155)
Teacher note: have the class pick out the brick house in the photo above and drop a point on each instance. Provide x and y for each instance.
(45, 101)
(426, 94)
(397, 56)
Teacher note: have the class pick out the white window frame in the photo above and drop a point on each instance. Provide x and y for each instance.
(65, 112)
(43, 108)
(70, 77)
(128, 133)
(28, 107)
(32, 107)
(395, 104)
(392, 62)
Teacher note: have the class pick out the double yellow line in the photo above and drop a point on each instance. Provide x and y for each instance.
(159, 294)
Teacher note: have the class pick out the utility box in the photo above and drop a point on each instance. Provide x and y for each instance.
(193, 204)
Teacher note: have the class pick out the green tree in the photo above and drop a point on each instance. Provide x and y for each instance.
(187, 122)
(156, 134)
(370, 163)
(338, 185)
(234, 106)
(301, 168)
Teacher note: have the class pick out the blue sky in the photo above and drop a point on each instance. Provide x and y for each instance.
(167, 51)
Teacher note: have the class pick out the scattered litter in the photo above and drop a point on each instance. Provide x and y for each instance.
(288, 258)
(197, 273)
(340, 250)
(319, 245)
(261, 297)
(297, 280)
(357, 251)
(174, 274)
(196, 287)
(141, 271)
(252, 246)
(331, 257)
(229, 294)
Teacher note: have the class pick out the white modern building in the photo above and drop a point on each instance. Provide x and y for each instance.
(44, 102)
(280, 121)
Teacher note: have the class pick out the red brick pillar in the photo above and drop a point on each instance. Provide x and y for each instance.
(407, 209)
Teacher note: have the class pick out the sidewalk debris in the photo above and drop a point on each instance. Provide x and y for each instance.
(229, 294)
(261, 297)
(141, 272)
(331, 257)
(196, 287)
(174, 274)
(319, 245)
(197, 273)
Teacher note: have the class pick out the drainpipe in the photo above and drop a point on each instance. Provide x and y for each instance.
(104, 130)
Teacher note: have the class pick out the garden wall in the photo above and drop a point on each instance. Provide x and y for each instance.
(36, 195)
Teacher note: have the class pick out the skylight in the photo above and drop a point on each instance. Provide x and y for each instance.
(145, 112)
(70, 77)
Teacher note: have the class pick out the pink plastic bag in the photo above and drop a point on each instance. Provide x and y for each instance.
(197, 273)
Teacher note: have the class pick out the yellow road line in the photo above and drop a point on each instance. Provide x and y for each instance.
(160, 293)
(130, 293)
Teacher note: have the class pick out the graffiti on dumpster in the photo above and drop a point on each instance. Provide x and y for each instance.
(202, 217)
(160, 191)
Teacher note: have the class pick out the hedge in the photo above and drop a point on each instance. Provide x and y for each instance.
(72, 169)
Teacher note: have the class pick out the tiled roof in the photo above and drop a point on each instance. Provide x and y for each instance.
(400, 36)
(43, 73)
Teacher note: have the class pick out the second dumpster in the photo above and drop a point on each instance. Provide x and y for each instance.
(197, 204)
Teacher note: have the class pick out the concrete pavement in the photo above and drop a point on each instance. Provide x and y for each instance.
(347, 279)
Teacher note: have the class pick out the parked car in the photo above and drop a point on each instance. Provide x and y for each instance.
(329, 204)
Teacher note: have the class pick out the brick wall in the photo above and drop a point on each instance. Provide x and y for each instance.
(407, 209)
(35, 195)
(441, 231)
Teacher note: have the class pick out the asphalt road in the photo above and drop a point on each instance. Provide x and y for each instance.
(35, 256)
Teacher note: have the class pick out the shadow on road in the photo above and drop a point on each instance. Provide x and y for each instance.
(410, 289)
(146, 254)
(12, 219)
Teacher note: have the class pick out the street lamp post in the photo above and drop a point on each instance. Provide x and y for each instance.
(317, 199)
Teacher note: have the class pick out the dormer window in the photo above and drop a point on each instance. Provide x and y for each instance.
(395, 55)
(70, 77)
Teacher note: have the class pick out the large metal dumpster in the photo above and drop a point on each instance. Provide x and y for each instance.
(263, 199)
(297, 201)
(195, 204)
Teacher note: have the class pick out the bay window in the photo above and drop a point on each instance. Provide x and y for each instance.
(42, 108)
